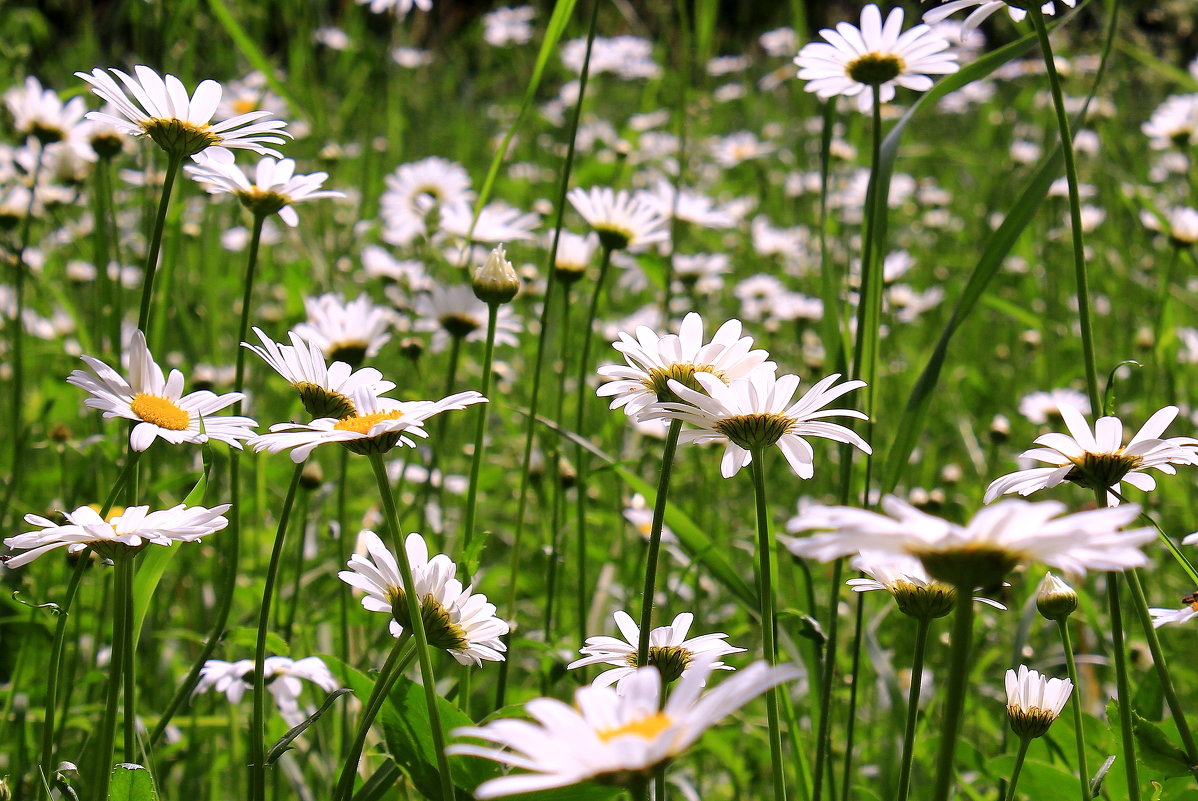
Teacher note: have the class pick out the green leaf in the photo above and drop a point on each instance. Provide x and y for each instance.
(1038, 780)
(131, 783)
(245, 637)
(1156, 750)
(253, 54)
(283, 745)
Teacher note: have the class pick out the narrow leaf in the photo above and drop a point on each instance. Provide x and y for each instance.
(283, 745)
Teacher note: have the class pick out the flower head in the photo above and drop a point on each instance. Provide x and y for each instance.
(915, 593)
(1034, 702)
(1055, 600)
(1099, 460)
(853, 62)
(609, 736)
(456, 619)
(455, 312)
(40, 113)
(346, 331)
(620, 220)
(495, 281)
(180, 125)
(982, 11)
(1174, 123)
(158, 404)
(273, 191)
(1162, 617)
(417, 193)
(282, 677)
(669, 650)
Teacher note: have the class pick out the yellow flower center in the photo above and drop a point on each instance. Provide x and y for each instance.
(162, 412)
(244, 105)
(180, 137)
(875, 69)
(645, 728)
(363, 423)
(657, 380)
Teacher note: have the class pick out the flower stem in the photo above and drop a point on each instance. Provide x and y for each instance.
(258, 725)
(1024, 742)
(954, 702)
(765, 591)
(480, 430)
(401, 654)
(1079, 733)
(125, 601)
(417, 624)
(1122, 687)
(828, 675)
(659, 515)
(174, 161)
(116, 659)
(922, 626)
(54, 670)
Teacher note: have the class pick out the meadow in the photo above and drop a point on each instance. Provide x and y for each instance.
(590, 400)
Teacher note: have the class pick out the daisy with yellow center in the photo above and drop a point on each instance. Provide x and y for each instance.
(347, 331)
(275, 187)
(158, 404)
(609, 737)
(620, 220)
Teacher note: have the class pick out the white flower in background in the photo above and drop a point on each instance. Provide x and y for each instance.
(1034, 702)
(346, 331)
(497, 222)
(455, 312)
(1174, 123)
(398, 7)
(504, 27)
(669, 651)
(915, 592)
(619, 219)
(1163, 617)
(735, 149)
(1179, 223)
(609, 736)
(275, 187)
(40, 113)
(158, 404)
(686, 205)
(1040, 407)
(574, 254)
(420, 190)
(283, 680)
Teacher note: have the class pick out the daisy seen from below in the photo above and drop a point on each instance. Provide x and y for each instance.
(915, 593)
(376, 426)
(982, 9)
(346, 331)
(669, 651)
(1173, 123)
(325, 390)
(619, 738)
(273, 191)
(180, 125)
(1034, 701)
(620, 220)
(283, 680)
(455, 312)
(874, 58)
(981, 552)
(419, 191)
(653, 360)
(40, 113)
(1162, 617)
(497, 222)
(1099, 460)
(122, 534)
(158, 404)
(456, 619)
(755, 412)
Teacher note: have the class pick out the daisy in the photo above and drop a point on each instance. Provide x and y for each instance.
(399, 7)
(509, 26)
(1034, 702)
(737, 148)
(653, 360)
(574, 255)
(158, 404)
(854, 62)
(346, 331)
(982, 11)
(40, 113)
(1099, 460)
(418, 190)
(376, 426)
(497, 222)
(456, 312)
(324, 390)
(915, 592)
(669, 651)
(122, 534)
(620, 220)
(686, 205)
(982, 552)
(495, 282)
(181, 126)
(456, 619)
(1162, 617)
(756, 412)
(282, 676)
(1040, 407)
(1179, 223)
(1173, 123)
(274, 189)
(612, 737)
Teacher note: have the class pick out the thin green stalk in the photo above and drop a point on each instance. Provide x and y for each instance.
(125, 601)
(659, 515)
(954, 700)
(823, 736)
(399, 657)
(765, 591)
(480, 430)
(258, 724)
(247, 297)
(427, 677)
(288, 621)
(1075, 207)
(120, 638)
(659, 786)
(173, 162)
(1024, 742)
(343, 597)
(846, 785)
(103, 299)
(1079, 733)
(922, 625)
(54, 669)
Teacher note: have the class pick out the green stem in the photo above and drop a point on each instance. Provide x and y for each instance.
(922, 625)
(480, 430)
(54, 669)
(417, 624)
(1075, 207)
(130, 717)
(823, 736)
(659, 786)
(343, 597)
(174, 161)
(846, 785)
(765, 591)
(954, 701)
(1079, 734)
(399, 657)
(120, 637)
(1122, 686)
(247, 297)
(1024, 742)
(659, 515)
(258, 724)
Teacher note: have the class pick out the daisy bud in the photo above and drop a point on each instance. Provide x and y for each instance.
(495, 281)
(1034, 702)
(1055, 599)
(312, 476)
(1000, 429)
(412, 348)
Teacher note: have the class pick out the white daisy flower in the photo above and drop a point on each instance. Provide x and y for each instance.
(852, 61)
(40, 113)
(497, 222)
(508, 26)
(1040, 407)
(574, 254)
(653, 360)
(669, 651)
(1173, 123)
(456, 312)
(982, 552)
(399, 7)
(456, 619)
(982, 11)
(376, 426)
(619, 219)
(282, 676)
(609, 736)
(1099, 460)
(1034, 702)
(346, 331)
(161, 109)
(326, 391)
(158, 404)
(275, 187)
(915, 592)
(1163, 617)
(120, 535)
(686, 205)
(420, 189)
(1179, 223)
(756, 412)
